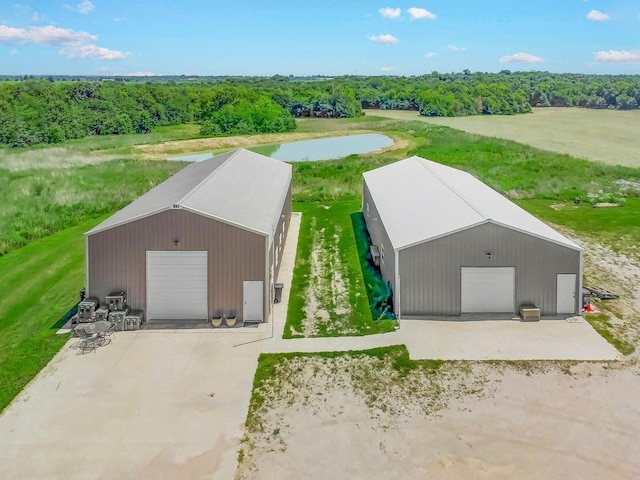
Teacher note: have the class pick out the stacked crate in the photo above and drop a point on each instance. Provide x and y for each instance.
(133, 320)
(118, 310)
(87, 309)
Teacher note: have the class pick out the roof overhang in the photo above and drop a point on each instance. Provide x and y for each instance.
(177, 207)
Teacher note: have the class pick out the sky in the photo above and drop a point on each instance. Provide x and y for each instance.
(317, 37)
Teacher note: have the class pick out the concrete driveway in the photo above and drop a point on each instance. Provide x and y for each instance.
(166, 404)
(571, 339)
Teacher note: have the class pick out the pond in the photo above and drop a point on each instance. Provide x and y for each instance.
(325, 148)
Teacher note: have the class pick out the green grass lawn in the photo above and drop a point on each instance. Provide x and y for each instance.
(39, 285)
(617, 227)
(330, 297)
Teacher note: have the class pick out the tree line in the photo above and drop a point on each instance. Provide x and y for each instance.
(37, 110)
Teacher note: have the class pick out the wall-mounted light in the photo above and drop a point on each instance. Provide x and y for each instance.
(489, 255)
(176, 242)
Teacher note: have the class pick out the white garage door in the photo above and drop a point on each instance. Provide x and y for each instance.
(488, 290)
(177, 285)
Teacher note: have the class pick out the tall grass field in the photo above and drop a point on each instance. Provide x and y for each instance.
(609, 136)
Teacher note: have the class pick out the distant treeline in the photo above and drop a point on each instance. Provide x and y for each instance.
(51, 110)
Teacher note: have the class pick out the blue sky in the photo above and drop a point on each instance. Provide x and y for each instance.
(300, 37)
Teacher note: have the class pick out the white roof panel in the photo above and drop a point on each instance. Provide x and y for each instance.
(419, 200)
(240, 187)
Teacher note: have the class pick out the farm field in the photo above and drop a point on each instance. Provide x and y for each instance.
(603, 135)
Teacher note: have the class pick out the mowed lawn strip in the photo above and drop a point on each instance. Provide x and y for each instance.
(328, 272)
(39, 284)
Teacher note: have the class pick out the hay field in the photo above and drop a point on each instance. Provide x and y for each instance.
(608, 136)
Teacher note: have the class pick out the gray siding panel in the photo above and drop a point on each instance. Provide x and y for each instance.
(430, 273)
(379, 237)
(117, 257)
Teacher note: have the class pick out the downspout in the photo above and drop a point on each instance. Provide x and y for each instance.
(266, 305)
(396, 293)
(86, 259)
(580, 285)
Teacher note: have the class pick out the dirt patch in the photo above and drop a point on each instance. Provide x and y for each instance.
(620, 274)
(355, 417)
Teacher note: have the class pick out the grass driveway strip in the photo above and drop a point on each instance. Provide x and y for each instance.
(328, 295)
(40, 284)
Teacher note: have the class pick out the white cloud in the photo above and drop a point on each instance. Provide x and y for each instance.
(93, 51)
(51, 35)
(617, 56)
(35, 18)
(384, 38)
(421, 14)
(11, 35)
(597, 16)
(431, 55)
(521, 58)
(454, 48)
(140, 74)
(388, 12)
(83, 7)
(75, 44)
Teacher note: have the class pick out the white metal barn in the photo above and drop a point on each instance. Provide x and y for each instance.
(450, 245)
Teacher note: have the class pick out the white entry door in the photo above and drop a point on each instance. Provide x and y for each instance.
(487, 289)
(566, 293)
(252, 295)
(177, 285)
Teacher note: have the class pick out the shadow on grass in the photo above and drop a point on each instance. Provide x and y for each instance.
(65, 318)
(379, 292)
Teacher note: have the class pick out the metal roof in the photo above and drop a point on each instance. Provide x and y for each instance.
(419, 200)
(242, 188)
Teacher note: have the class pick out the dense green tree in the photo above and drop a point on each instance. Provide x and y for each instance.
(38, 110)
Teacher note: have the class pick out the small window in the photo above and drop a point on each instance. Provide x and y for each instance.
(381, 253)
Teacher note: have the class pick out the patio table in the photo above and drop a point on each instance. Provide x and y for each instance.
(93, 332)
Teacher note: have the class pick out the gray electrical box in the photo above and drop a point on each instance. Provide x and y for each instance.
(116, 301)
(117, 317)
(86, 309)
(102, 313)
(133, 320)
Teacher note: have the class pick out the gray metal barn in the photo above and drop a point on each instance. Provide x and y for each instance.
(449, 245)
(207, 241)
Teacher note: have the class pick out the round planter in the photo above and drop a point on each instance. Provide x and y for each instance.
(216, 321)
(230, 321)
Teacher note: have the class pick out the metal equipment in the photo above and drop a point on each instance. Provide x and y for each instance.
(117, 317)
(116, 301)
(133, 320)
(87, 309)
